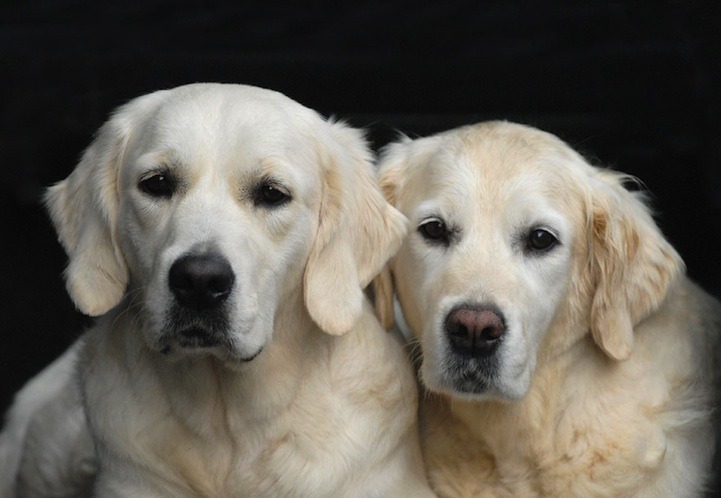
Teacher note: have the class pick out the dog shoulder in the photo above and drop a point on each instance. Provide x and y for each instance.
(651, 412)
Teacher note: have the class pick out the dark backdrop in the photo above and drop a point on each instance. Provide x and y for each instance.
(635, 86)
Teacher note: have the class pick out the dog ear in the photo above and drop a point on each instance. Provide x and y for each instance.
(383, 297)
(83, 209)
(391, 166)
(634, 265)
(359, 231)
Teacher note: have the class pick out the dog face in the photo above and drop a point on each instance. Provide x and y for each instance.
(515, 235)
(211, 206)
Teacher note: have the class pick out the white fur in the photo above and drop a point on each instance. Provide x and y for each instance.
(308, 396)
(604, 383)
(45, 447)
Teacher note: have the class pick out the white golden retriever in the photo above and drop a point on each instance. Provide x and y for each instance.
(565, 352)
(223, 235)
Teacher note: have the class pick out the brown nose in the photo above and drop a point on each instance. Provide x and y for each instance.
(475, 331)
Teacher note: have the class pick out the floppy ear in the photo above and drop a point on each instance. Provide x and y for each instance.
(359, 231)
(383, 297)
(391, 166)
(84, 208)
(634, 265)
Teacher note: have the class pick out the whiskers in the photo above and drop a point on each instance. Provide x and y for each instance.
(412, 348)
(134, 306)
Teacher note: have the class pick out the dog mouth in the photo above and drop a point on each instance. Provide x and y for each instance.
(190, 330)
(192, 338)
(196, 339)
(474, 378)
(470, 376)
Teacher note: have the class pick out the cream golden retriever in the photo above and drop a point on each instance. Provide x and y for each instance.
(564, 351)
(222, 234)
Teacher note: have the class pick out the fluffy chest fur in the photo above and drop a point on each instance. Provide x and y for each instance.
(199, 429)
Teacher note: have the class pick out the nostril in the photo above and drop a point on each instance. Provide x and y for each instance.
(180, 280)
(492, 332)
(458, 329)
(201, 281)
(221, 283)
(475, 331)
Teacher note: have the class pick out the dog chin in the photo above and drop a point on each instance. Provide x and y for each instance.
(472, 386)
(194, 342)
(175, 351)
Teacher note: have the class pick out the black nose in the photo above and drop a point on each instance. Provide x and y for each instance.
(475, 331)
(201, 281)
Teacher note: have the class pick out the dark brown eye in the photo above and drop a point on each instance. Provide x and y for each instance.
(541, 240)
(434, 230)
(270, 195)
(159, 185)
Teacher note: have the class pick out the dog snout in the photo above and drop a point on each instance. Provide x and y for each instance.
(201, 281)
(475, 331)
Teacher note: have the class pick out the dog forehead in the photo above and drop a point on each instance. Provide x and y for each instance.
(470, 175)
(496, 168)
(208, 127)
(225, 116)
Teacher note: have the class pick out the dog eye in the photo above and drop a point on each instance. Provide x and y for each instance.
(541, 240)
(269, 195)
(434, 230)
(158, 185)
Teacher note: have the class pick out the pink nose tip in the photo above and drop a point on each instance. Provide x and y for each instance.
(475, 331)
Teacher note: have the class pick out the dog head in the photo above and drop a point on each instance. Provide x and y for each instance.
(520, 250)
(207, 207)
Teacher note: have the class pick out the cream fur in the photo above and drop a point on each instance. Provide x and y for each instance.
(309, 396)
(606, 380)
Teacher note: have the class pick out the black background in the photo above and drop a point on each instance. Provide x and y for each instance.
(632, 85)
